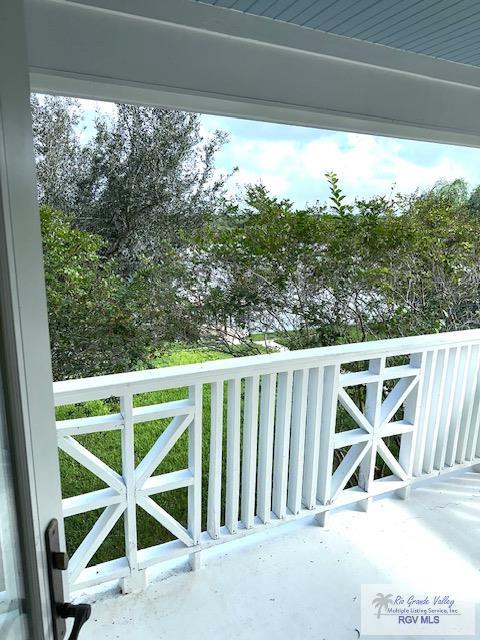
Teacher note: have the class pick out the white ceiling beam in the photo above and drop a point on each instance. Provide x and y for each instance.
(182, 54)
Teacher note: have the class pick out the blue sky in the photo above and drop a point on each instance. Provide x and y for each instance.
(291, 161)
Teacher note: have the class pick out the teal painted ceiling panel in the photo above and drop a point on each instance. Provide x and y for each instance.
(447, 29)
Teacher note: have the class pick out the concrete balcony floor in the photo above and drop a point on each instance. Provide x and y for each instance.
(303, 581)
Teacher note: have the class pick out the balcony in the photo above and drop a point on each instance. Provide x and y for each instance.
(276, 453)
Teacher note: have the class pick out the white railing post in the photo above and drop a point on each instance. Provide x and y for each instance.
(458, 405)
(297, 440)
(282, 444)
(433, 426)
(265, 447)
(312, 437)
(468, 409)
(423, 419)
(327, 437)
(136, 580)
(471, 448)
(411, 412)
(195, 468)
(453, 363)
(249, 457)
(373, 410)
(233, 455)
(215, 461)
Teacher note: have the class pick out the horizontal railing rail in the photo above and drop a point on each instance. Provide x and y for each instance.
(289, 434)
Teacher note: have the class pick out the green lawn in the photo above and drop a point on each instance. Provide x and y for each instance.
(77, 480)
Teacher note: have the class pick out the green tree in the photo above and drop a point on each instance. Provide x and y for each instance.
(148, 179)
(56, 128)
(372, 269)
(95, 316)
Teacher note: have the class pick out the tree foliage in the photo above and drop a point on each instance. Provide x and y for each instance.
(56, 135)
(377, 268)
(144, 180)
(118, 212)
(149, 249)
(100, 321)
(92, 327)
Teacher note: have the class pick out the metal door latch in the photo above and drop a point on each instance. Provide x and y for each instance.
(61, 610)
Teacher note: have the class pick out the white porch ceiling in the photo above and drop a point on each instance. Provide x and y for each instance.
(445, 29)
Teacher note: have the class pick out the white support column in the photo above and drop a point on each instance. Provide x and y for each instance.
(135, 582)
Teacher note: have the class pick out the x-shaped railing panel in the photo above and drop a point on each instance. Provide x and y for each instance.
(366, 440)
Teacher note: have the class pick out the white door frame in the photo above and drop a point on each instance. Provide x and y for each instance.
(24, 343)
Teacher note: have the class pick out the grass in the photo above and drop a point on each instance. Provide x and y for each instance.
(107, 446)
(277, 336)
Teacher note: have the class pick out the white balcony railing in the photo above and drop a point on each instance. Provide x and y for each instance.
(279, 440)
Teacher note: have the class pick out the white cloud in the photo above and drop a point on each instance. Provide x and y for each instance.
(97, 106)
(292, 161)
(366, 165)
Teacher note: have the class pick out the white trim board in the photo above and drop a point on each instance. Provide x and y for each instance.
(186, 55)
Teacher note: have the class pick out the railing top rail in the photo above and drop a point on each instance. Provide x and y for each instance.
(82, 389)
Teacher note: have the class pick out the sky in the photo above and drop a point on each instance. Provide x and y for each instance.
(292, 161)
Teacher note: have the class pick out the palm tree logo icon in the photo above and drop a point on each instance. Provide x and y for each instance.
(382, 602)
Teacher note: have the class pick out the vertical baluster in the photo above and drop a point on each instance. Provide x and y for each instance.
(195, 467)
(282, 443)
(215, 463)
(265, 447)
(312, 437)
(457, 409)
(297, 446)
(423, 421)
(136, 580)
(373, 410)
(468, 405)
(411, 414)
(447, 407)
(233, 455)
(327, 436)
(249, 457)
(440, 376)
